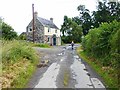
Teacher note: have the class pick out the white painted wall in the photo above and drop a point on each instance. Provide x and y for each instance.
(51, 32)
(58, 41)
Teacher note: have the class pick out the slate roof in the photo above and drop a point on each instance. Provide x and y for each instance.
(47, 23)
(23, 33)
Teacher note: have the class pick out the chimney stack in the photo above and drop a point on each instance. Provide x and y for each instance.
(35, 15)
(51, 19)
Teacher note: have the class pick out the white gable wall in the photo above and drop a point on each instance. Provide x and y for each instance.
(51, 31)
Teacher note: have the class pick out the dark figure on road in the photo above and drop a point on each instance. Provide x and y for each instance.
(72, 44)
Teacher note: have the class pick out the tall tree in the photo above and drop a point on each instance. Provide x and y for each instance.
(71, 30)
(114, 9)
(85, 18)
(102, 15)
(77, 20)
(106, 12)
(76, 32)
(65, 25)
(8, 32)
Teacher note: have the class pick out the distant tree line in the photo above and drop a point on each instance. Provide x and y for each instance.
(106, 12)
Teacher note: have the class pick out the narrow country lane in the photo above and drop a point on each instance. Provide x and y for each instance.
(65, 69)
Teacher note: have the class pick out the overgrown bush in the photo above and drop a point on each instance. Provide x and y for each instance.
(19, 61)
(115, 48)
(12, 51)
(103, 43)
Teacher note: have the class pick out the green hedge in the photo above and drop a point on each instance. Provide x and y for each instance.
(103, 43)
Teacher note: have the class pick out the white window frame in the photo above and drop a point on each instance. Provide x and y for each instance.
(56, 30)
(49, 29)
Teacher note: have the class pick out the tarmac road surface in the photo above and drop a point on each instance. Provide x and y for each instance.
(64, 69)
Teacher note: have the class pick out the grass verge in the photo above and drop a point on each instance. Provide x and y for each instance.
(40, 45)
(24, 76)
(18, 63)
(110, 81)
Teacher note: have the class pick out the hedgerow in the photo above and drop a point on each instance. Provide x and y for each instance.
(103, 43)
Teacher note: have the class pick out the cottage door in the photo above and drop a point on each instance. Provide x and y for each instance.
(54, 39)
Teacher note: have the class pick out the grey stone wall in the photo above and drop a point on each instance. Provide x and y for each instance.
(38, 33)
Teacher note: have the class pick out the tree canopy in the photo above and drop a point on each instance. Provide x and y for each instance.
(8, 32)
(106, 12)
(71, 30)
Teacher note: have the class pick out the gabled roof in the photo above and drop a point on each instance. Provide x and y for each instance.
(47, 23)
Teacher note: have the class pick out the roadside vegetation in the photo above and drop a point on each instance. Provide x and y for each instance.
(99, 32)
(40, 45)
(101, 50)
(19, 61)
(109, 81)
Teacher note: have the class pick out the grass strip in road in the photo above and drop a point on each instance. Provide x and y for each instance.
(110, 82)
(66, 79)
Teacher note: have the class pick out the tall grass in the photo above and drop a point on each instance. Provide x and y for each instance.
(18, 63)
(41, 45)
(13, 51)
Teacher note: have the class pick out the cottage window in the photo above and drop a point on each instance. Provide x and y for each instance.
(55, 31)
(48, 29)
(30, 29)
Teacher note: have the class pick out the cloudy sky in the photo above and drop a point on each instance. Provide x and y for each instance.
(18, 13)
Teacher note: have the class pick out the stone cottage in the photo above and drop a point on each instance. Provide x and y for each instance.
(45, 31)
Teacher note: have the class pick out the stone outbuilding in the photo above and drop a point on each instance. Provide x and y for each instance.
(45, 31)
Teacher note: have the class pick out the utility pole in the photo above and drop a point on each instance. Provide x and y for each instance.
(33, 23)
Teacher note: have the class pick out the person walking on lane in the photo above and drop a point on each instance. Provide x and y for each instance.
(72, 44)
